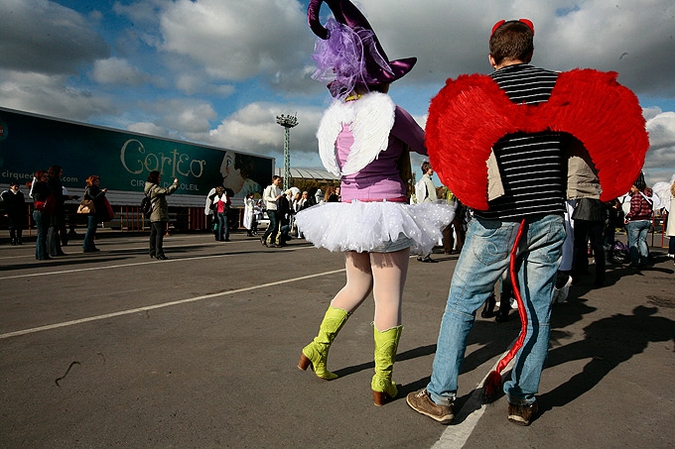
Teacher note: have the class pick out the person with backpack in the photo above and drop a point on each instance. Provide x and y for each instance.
(160, 212)
(638, 221)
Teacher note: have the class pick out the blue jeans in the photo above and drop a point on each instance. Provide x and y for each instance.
(637, 241)
(88, 243)
(41, 224)
(484, 257)
(223, 226)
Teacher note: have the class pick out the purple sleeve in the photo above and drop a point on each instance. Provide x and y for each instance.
(407, 130)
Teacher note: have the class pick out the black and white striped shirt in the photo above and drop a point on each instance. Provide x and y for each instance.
(530, 165)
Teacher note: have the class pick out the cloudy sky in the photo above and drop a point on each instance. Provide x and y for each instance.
(219, 71)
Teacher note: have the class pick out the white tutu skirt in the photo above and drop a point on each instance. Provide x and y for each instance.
(367, 226)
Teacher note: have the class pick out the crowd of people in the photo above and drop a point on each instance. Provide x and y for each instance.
(520, 203)
(49, 213)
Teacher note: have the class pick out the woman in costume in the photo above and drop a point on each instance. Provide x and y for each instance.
(363, 138)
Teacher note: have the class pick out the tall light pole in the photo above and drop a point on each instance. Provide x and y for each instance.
(288, 122)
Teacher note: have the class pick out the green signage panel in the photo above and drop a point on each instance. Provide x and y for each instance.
(122, 159)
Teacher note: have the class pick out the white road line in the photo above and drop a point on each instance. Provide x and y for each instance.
(163, 305)
(455, 436)
(135, 264)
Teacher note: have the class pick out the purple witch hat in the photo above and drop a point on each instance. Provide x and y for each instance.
(349, 53)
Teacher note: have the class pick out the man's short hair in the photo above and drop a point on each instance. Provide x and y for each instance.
(275, 177)
(425, 166)
(513, 40)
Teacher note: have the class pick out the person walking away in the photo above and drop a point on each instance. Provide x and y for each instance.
(499, 147)
(638, 221)
(588, 214)
(14, 208)
(271, 195)
(160, 212)
(373, 224)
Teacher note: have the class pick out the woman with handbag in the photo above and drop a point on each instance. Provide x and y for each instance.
(42, 201)
(93, 196)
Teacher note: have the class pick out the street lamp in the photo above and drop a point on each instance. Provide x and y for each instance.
(288, 122)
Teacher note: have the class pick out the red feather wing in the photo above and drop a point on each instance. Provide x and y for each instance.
(465, 119)
(607, 118)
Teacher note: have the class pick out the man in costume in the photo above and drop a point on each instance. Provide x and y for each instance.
(505, 158)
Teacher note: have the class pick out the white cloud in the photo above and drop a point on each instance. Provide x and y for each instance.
(236, 40)
(50, 95)
(660, 160)
(118, 71)
(661, 130)
(254, 129)
(44, 37)
(190, 117)
(218, 72)
(193, 83)
(150, 129)
(632, 38)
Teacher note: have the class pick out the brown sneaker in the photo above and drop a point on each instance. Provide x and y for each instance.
(522, 414)
(422, 403)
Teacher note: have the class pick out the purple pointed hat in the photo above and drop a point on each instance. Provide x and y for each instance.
(350, 53)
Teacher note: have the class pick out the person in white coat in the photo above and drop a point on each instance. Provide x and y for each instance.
(670, 227)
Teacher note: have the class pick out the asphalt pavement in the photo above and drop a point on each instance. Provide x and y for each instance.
(115, 349)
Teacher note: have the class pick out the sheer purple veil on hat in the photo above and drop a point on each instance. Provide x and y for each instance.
(348, 52)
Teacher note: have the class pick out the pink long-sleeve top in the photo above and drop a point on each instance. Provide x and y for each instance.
(380, 179)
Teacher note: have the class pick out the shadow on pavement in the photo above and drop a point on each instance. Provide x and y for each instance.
(606, 350)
